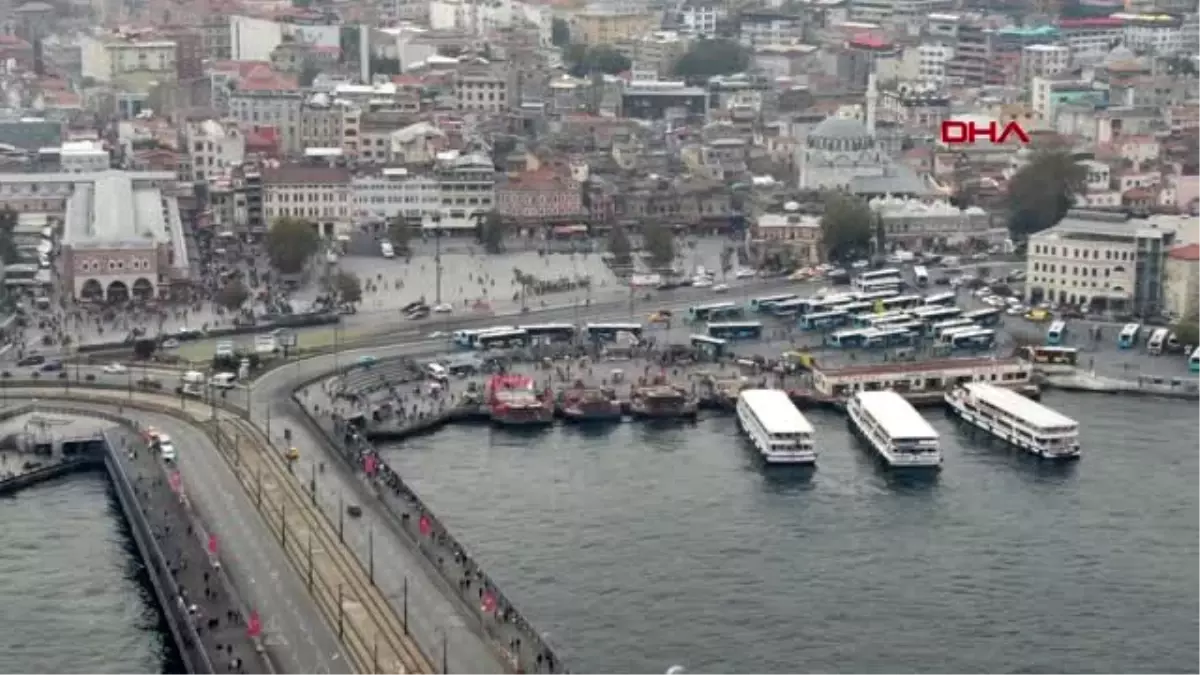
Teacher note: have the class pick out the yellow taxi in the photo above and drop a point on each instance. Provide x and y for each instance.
(1038, 314)
(661, 316)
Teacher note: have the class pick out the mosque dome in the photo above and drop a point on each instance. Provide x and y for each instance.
(840, 134)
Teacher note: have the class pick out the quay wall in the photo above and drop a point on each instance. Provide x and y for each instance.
(50, 472)
(533, 645)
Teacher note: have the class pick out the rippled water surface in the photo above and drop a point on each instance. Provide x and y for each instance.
(640, 547)
(73, 597)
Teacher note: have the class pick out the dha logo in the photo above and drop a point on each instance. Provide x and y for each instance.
(969, 133)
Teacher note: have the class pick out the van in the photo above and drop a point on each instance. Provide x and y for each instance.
(386, 249)
(222, 381)
(437, 371)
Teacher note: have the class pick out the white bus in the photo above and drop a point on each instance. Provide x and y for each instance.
(921, 275)
(877, 279)
(1129, 335)
(1158, 340)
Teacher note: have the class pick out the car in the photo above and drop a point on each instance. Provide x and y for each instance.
(444, 308)
(115, 369)
(720, 288)
(32, 360)
(860, 264)
(52, 366)
(170, 343)
(166, 449)
(745, 274)
(1014, 310)
(702, 283)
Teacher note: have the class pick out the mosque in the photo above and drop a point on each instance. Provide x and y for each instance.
(841, 153)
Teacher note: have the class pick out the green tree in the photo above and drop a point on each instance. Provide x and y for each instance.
(290, 243)
(399, 233)
(706, 58)
(659, 241)
(619, 247)
(560, 32)
(1040, 194)
(1187, 331)
(348, 287)
(584, 60)
(489, 231)
(847, 227)
(233, 294)
(8, 245)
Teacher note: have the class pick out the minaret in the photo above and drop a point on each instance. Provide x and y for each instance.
(872, 102)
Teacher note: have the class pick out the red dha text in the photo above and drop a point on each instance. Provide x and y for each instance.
(968, 133)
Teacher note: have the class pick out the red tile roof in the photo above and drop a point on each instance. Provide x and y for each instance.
(1188, 252)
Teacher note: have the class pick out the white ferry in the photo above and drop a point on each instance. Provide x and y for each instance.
(1016, 420)
(780, 432)
(895, 429)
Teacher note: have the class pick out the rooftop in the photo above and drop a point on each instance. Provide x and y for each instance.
(1188, 252)
(118, 209)
(1081, 223)
(298, 173)
(919, 368)
(896, 415)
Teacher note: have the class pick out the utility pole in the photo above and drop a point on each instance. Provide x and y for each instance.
(437, 258)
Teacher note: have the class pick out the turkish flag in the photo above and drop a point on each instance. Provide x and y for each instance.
(369, 464)
(254, 625)
(175, 481)
(212, 545)
(425, 525)
(488, 604)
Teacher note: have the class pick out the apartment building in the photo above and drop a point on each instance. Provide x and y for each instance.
(761, 28)
(1103, 260)
(212, 148)
(1043, 61)
(106, 58)
(264, 98)
(396, 192)
(320, 194)
(466, 187)
(609, 24)
(1183, 281)
(1091, 39)
(540, 196)
(698, 18)
(484, 87)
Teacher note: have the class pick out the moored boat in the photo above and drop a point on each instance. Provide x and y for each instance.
(590, 405)
(513, 401)
(895, 430)
(1016, 420)
(777, 429)
(662, 401)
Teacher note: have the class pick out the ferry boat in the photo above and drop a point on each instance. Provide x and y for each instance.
(1016, 420)
(773, 424)
(662, 401)
(590, 405)
(513, 401)
(895, 430)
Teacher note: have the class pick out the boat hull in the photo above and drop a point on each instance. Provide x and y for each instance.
(892, 460)
(575, 416)
(963, 412)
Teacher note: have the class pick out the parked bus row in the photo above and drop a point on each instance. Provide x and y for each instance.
(501, 337)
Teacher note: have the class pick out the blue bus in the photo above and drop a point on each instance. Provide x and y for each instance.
(1194, 361)
(849, 339)
(901, 302)
(860, 307)
(828, 303)
(1056, 333)
(608, 332)
(935, 330)
(882, 338)
(550, 332)
(790, 307)
(739, 330)
(714, 312)
(985, 317)
(935, 314)
(501, 339)
(875, 320)
(709, 346)
(765, 304)
(947, 336)
(1129, 336)
(819, 320)
(942, 299)
(976, 340)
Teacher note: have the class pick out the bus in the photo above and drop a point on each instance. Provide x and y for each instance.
(465, 338)
(882, 338)
(875, 320)
(948, 335)
(900, 302)
(889, 275)
(852, 338)
(921, 276)
(1058, 356)
(608, 332)
(1056, 333)
(830, 302)
(765, 304)
(736, 330)
(988, 316)
(1129, 336)
(916, 328)
(936, 330)
(941, 299)
(1194, 361)
(714, 311)
(872, 296)
(975, 340)
(1158, 339)
(502, 338)
(550, 332)
(709, 346)
(819, 320)
(790, 307)
(891, 286)
(852, 308)
(937, 314)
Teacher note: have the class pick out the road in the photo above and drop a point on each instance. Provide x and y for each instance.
(298, 638)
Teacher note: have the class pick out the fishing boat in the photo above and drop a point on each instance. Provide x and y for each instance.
(662, 401)
(585, 404)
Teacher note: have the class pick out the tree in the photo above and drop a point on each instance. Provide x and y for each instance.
(399, 233)
(489, 231)
(348, 287)
(1040, 194)
(1187, 331)
(290, 243)
(8, 246)
(560, 32)
(619, 247)
(233, 295)
(846, 227)
(706, 58)
(659, 241)
(586, 60)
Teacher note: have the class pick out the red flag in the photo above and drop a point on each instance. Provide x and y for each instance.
(489, 602)
(254, 625)
(212, 545)
(175, 481)
(369, 465)
(425, 525)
